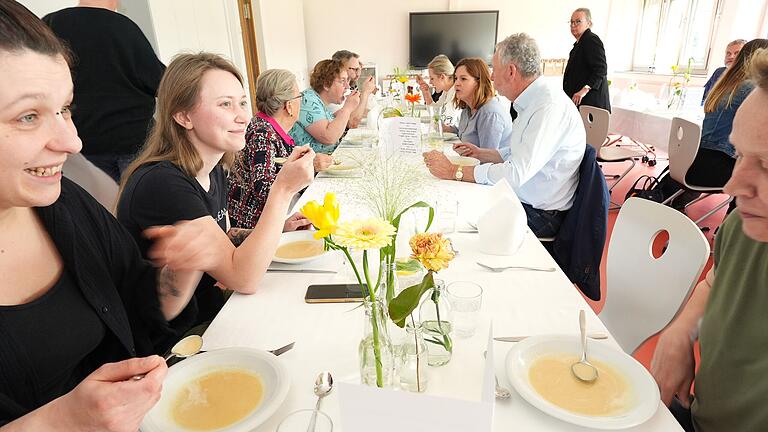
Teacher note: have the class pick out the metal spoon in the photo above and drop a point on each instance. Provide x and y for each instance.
(184, 348)
(582, 369)
(323, 386)
(499, 391)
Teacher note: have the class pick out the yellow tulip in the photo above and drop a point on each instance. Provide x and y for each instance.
(325, 218)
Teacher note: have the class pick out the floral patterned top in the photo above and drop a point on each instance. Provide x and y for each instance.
(312, 110)
(255, 170)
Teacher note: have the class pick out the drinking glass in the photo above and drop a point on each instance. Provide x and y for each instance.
(466, 298)
(446, 212)
(298, 421)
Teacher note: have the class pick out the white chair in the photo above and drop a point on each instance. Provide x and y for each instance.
(645, 293)
(596, 121)
(684, 140)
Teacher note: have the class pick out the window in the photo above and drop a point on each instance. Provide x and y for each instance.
(673, 31)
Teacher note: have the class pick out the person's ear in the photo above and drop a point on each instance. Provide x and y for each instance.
(182, 118)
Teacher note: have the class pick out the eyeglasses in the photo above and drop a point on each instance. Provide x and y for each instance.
(301, 94)
(343, 81)
(577, 22)
(357, 69)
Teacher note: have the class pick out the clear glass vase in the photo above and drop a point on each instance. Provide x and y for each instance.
(375, 350)
(412, 371)
(435, 315)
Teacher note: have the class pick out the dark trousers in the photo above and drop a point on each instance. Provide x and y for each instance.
(711, 168)
(543, 223)
(113, 165)
(682, 415)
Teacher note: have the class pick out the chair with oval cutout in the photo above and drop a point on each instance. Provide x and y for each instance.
(596, 121)
(684, 141)
(644, 293)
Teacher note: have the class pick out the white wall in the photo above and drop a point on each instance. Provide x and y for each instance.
(380, 33)
(281, 37)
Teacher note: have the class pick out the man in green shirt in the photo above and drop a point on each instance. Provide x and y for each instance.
(728, 311)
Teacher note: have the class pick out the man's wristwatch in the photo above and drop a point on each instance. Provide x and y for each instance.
(459, 173)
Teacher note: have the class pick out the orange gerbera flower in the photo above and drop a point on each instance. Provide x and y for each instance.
(413, 97)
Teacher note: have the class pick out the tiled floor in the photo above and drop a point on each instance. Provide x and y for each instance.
(645, 352)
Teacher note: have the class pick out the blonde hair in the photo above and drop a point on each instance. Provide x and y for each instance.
(179, 91)
(441, 65)
(274, 88)
(725, 88)
(758, 68)
(476, 68)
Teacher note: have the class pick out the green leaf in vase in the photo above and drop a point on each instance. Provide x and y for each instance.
(408, 300)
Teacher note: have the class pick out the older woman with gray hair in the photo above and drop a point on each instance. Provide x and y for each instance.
(278, 101)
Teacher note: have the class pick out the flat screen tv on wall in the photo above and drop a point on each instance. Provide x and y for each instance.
(455, 34)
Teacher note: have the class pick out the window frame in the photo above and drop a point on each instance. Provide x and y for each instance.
(680, 53)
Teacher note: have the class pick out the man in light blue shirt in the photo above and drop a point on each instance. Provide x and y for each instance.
(548, 140)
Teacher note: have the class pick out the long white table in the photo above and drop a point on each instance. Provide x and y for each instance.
(327, 335)
(650, 127)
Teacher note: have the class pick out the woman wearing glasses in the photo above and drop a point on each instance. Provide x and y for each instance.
(267, 145)
(586, 75)
(316, 125)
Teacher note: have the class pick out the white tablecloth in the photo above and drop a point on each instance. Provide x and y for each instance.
(327, 335)
(650, 127)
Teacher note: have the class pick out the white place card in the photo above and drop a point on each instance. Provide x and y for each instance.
(372, 409)
(400, 135)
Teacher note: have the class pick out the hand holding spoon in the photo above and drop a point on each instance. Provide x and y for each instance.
(184, 348)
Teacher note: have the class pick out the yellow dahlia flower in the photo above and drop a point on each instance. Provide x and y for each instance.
(432, 250)
(374, 233)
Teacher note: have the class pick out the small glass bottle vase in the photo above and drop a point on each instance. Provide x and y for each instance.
(375, 349)
(389, 288)
(413, 360)
(435, 314)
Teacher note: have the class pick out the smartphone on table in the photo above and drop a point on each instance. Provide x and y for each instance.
(335, 293)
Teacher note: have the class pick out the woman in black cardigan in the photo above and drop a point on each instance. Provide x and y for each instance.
(586, 75)
(81, 313)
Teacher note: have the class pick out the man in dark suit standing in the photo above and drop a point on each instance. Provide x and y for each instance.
(585, 79)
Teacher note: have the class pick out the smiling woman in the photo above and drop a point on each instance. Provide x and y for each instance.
(180, 176)
(87, 271)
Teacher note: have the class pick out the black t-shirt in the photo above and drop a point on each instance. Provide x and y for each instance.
(161, 194)
(51, 358)
(117, 284)
(116, 75)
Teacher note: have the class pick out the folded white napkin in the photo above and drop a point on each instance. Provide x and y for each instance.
(502, 227)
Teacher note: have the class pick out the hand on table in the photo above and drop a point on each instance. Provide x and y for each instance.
(439, 165)
(296, 222)
(110, 400)
(673, 366)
